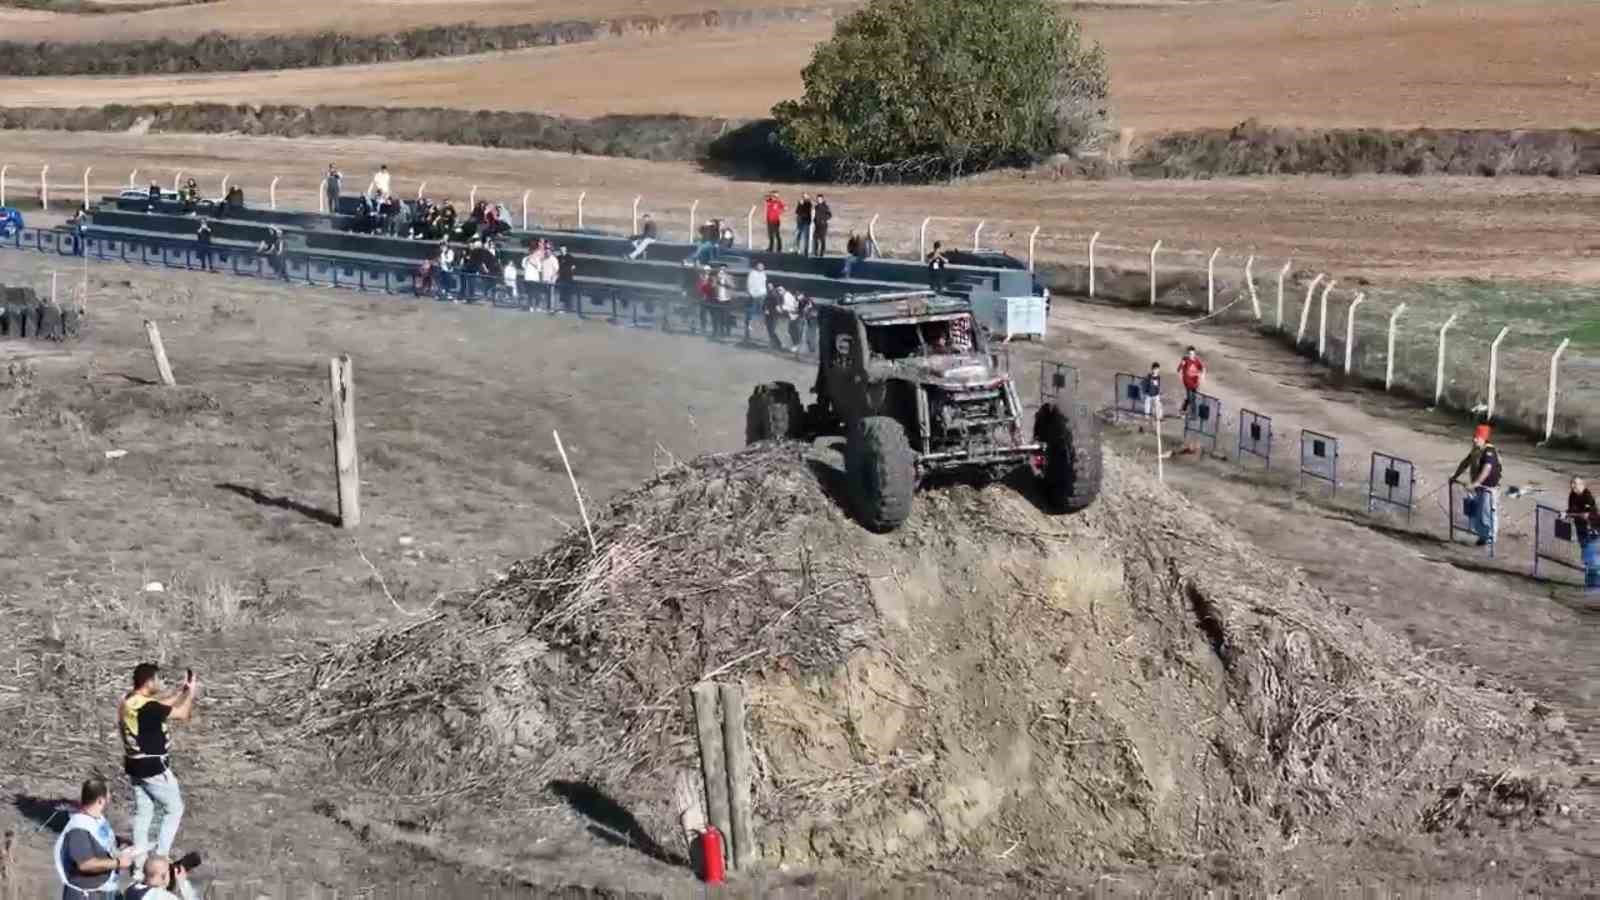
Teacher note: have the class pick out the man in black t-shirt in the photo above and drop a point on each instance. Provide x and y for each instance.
(143, 718)
(802, 225)
(1482, 466)
(1584, 514)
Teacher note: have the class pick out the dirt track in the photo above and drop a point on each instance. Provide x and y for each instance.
(456, 404)
(1443, 65)
(1388, 227)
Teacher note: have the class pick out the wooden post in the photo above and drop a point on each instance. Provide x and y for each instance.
(347, 471)
(737, 748)
(162, 366)
(713, 763)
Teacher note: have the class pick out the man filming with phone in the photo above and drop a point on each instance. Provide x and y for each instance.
(143, 718)
(165, 880)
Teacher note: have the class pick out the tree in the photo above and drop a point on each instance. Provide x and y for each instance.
(910, 89)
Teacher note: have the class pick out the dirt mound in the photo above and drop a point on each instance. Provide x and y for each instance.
(1131, 685)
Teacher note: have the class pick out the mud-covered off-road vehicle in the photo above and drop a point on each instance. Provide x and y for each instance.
(909, 380)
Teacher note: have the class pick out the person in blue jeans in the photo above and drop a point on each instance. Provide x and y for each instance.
(1482, 466)
(142, 718)
(1585, 518)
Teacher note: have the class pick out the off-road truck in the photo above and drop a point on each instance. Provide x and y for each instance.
(909, 380)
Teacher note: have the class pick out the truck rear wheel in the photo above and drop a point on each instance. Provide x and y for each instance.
(881, 472)
(1071, 477)
(774, 414)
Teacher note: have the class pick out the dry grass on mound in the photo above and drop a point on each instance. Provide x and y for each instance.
(1135, 683)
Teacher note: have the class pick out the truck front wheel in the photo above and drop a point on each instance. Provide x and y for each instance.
(881, 472)
(1071, 476)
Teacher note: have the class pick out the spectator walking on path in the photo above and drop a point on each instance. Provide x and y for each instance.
(144, 717)
(1585, 518)
(1482, 467)
(332, 185)
(1191, 371)
(162, 879)
(86, 855)
(775, 209)
(821, 215)
(802, 225)
(202, 237)
(645, 237)
(936, 266)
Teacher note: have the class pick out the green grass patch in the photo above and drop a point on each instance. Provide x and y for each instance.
(1533, 309)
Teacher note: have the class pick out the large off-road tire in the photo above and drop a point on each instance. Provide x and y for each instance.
(881, 472)
(775, 414)
(1071, 477)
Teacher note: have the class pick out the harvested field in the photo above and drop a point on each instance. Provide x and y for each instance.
(1441, 65)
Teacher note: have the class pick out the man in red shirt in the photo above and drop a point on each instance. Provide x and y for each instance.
(1190, 371)
(775, 210)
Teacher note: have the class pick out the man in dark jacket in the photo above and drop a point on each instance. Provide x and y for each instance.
(567, 279)
(1585, 518)
(1482, 467)
(802, 225)
(821, 215)
(203, 238)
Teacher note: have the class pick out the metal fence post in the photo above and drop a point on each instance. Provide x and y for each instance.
(694, 212)
(1093, 239)
(1494, 367)
(3, 170)
(44, 188)
(872, 232)
(1211, 281)
(1550, 401)
(1350, 330)
(922, 239)
(472, 197)
(86, 172)
(133, 178)
(750, 229)
(420, 189)
(581, 195)
(1250, 281)
(1282, 274)
(977, 234)
(1305, 311)
(272, 193)
(636, 199)
(1388, 366)
(1154, 249)
(224, 185)
(1322, 321)
(177, 179)
(525, 209)
(1438, 377)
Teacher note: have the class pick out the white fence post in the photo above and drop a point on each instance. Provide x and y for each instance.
(1438, 375)
(581, 195)
(1033, 238)
(133, 178)
(272, 193)
(1550, 402)
(1350, 330)
(922, 239)
(1305, 311)
(86, 172)
(1250, 279)
(1494, 367)
(1322, 321)
(3, 170)
(872, 233)
(636, 199)
(1211, 282)
(472, 197)
(322, 198)
(1388, 366)
(224, 185)
(750, 228)
(525, 195)
(1093, 239)
(1154, 249)
(44, 188)
(694, 211)
(177, 179)
(977, 233)
(420, 188)
(1282, 274)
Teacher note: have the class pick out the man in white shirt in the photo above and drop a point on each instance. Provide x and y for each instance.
(380, 182)
(532, 274)
(549, 274)
(509, 275)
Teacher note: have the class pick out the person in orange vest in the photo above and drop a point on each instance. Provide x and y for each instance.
(775, 209)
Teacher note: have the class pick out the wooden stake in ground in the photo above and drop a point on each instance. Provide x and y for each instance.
(162, 366)
(737, 748)
(713, 768)
(341, 383)
(588, 529)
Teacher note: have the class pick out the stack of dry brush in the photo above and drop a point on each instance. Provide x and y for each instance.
(24, 315)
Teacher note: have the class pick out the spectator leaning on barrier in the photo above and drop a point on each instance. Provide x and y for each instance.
(1585, 518)
(1482, 466)
(645, 237)
(144, 717)
(854, 250)
(774, 212)
(802, 225)
(86, 855)
(821, 215)
(332, 185)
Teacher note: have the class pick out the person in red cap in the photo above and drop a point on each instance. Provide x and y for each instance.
(1482, 466)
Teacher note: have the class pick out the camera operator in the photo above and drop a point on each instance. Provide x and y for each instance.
(165, 880)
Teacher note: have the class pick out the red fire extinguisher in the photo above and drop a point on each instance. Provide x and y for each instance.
(711, 855)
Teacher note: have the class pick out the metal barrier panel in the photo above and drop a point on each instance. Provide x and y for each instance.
(1392, 481)
(1555, 539)
(1255, 437)
(1129, 397)
(1319, 458)
(1058, 383)
(1203, 419)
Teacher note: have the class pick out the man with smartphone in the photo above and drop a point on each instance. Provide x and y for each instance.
(143, 718)
(165, 879)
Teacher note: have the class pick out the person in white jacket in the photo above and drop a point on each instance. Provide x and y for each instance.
(509, 276)
(532, 274)
(549, 274)
(380, 183)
